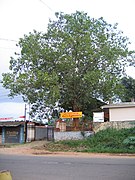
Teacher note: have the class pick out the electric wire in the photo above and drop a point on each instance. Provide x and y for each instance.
(5, 96)
(46, 5)
(7, 48)
(4, 39)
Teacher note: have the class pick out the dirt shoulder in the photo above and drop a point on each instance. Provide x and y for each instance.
(36, 148)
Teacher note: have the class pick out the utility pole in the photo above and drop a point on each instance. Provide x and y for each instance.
(25, 124)
(29, 112)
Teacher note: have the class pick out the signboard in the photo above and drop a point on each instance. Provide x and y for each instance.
(4, 119)
(12, 134)
(98, 117)
(71, 115)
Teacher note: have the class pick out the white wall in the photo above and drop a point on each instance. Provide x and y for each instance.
(72, 135)
(122, 114)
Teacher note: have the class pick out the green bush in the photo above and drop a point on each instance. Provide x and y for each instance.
(129, 142)
(109, 141)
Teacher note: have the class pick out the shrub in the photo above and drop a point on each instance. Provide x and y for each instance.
(109, 141)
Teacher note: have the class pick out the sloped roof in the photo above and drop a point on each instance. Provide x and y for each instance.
(119, 105)
(11, 123)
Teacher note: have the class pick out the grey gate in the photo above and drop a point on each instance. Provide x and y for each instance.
(50, 133)
(46, 133)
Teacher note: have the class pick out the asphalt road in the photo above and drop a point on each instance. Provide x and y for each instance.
(68, 168)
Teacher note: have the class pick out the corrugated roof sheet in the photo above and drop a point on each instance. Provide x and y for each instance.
(119, 105)
(11, 123)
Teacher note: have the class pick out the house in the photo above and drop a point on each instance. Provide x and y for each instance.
(12, 132)
(21, 132)
(120, 111)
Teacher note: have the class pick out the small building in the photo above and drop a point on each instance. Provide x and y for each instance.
(21, 132)
(120, 111)
(12, 132)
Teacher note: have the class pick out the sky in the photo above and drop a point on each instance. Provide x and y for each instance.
(19, 17)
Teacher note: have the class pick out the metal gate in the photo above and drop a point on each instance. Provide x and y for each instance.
(50, 133)
(42, 132)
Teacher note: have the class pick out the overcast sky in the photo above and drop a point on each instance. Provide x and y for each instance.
(19, 17)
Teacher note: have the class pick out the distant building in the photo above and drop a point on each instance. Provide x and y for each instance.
(120, 111)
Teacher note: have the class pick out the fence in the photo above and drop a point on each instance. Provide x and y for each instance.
(42, 132)
(71, 135)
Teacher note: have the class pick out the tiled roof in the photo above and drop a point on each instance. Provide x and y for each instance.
(119, 105)
(11, 123)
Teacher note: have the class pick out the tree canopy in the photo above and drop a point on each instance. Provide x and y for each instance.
(77, 60)
(129, 89)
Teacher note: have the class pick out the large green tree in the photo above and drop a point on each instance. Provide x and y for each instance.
(129, 89)
(77, 60)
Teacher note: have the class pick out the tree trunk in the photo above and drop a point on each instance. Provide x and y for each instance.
(76, 124)
(132, 99)
(75, 120)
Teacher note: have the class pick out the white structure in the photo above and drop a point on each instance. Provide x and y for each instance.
(121, 111)
(98, 116)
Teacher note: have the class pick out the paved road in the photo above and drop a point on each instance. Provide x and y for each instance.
(68, 168)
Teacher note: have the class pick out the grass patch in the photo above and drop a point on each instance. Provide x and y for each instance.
(106, 141)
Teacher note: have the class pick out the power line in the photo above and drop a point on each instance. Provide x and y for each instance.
(3, 39)
(46, 5)
(6, 96)
(7, 48)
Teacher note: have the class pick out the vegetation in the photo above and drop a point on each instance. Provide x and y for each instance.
(79, 59)
(129, 87)
(106, 141)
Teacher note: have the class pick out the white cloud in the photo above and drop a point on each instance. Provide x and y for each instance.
(11, 110)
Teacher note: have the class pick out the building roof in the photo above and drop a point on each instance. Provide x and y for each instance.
(119, 105)
(11, 123)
